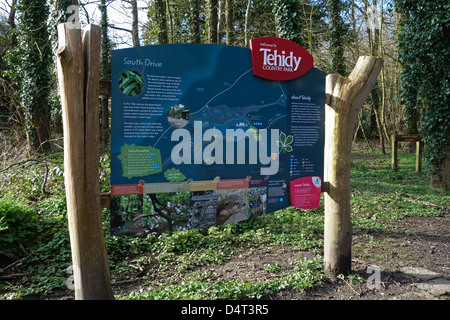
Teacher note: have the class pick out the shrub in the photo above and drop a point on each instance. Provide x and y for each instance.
(18, 224)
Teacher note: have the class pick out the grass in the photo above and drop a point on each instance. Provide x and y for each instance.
(305, 274)
(184, 265)
(380, 194)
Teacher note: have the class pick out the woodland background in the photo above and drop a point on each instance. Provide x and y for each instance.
(279, 250)
(411, 94)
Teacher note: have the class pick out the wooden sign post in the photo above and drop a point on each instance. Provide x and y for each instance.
(396, 138)
(78, 72)
(345, 97)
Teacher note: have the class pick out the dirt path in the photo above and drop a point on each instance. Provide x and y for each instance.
(413, 264)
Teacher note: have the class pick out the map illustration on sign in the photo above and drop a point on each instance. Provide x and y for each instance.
(199, 140)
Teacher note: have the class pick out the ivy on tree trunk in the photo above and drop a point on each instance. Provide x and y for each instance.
(287, 16)
(33, 69)
(336, 35)
(424, 52)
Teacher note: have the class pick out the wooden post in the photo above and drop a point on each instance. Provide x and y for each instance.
(394, 152)
(345, 97)
(396, 138)
(78, 73)
(419, 148)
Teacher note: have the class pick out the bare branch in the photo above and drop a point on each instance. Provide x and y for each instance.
(44, 182)
(118, 28)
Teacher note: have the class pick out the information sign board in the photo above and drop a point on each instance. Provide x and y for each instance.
(198, 139)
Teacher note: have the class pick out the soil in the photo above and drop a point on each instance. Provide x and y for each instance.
(414, 264)
(422, 243)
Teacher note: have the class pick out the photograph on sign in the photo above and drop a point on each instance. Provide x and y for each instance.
(200, 137)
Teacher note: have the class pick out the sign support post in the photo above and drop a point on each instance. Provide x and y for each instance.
(344, 99)
(78, 73)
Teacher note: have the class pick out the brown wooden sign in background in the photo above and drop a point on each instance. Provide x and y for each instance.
(396, 138)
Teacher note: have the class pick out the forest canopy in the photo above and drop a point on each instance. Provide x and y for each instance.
(410, 96)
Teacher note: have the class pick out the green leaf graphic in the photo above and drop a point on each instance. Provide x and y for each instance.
(284, 142)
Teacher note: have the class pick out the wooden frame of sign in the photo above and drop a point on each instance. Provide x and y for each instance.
(78, 73)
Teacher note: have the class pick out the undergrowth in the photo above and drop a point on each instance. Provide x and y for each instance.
(35, 247)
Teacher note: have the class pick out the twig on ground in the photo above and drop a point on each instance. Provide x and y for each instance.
(25, 258)
(32, 160)
(358, 294)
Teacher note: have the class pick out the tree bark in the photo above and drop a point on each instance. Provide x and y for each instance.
(220, 13)
(161, 17)
(247, 12)
(105, 75)
(212, 21)
(445, 169)
(195, 21)
(345, 97)
(78, 69)
(172, 23)
(134, 24)
(229, 22)
(443, 182)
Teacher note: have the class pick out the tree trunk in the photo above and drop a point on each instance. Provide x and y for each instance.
(105, 75)
(35, 80)
(445, 169)
(443, 182)
(12, 21)
(247, 12)
(134, 24)
(161, 17)
(288, 20)
(336, 36)
(383, 80)
(212, 21)
(229, 22)
(195, 22)
(78, 69)
(345, 97)
(375, 96)
(41, 122)
(220, 9)
(172, 23)
(373, 38)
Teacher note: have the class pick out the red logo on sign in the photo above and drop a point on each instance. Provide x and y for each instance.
(279, 59)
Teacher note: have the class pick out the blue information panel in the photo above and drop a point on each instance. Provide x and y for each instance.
(198, 140)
